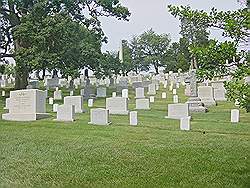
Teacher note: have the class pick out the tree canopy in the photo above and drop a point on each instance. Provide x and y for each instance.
(218, 59)
(154, 49)
(47, 44)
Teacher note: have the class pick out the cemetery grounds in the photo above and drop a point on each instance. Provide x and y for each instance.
(46, 153)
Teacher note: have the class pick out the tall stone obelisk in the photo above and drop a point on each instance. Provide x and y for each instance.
(121, 53)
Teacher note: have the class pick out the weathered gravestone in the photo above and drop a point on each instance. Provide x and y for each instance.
(58, 95)
(152, 99)
(65, 113)
(51, 101)
(175, 99)
(55, 106)
(3, 93)
(52, 82)
(99, 116)
(133, 118)
(142, 104)
(33, 84)
(77, 101)
(117, 105)
(123, 84)
(137, 84)
(187, 90)
(219, 91)
(163, 95)
(82, 92)
(194, 102)
(177, 111)
(185, 123)
(139, 93)
(151, 89)
(101, 92)
(7, 104)
(87, 89)
(113, 94)
(235, 116)
(145, 83)
(206, 94)
(90, 102)
(125, 93)
(26, 105)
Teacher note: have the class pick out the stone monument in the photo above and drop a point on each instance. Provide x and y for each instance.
(194, 102)
(26, 105)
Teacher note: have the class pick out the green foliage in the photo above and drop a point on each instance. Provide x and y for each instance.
(234, 24)
(2, 68)
(239, 91)
(108, 66)
(127, 64)
(179, 56)
(9, 70)
(194, 24)
(154, 49)
(52, 34)
(56, 42)
(220, 59)
(216, 59)
(137, 56)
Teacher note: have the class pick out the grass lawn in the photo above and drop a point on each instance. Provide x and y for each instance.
(45, 153)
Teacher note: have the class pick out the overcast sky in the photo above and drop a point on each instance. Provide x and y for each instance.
(146, 14)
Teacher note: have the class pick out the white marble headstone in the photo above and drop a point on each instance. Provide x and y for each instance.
(177, 111)
(142, 104)
(125, 93)
(185, 123)
(65, 113)
(99, 116)
(90, 102)
(117, 105)
(164, 95)
(51, 101)
(77, 101)
(175, 99)
(133, 118)
(152, 99)
(26, 105)
(139, 93)
(235, 116)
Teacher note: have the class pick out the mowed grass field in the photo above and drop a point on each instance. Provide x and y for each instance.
(46, 153)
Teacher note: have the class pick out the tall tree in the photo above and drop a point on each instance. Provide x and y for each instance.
(108, 66)
(137, 56)
(194, 27)
(217, 59)
(154, 48)
(85, 12)
(127, 63)
(179, 56)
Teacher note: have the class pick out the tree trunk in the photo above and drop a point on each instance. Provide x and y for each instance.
(156, 69)
(22, 73)
(21, 80)
(54, 74)
(37, 75)
(43, 75)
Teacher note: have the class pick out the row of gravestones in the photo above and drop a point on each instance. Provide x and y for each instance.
(35, 99)
(25, 105)
(141, 103)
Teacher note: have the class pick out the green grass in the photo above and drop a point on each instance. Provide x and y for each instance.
(45, 153)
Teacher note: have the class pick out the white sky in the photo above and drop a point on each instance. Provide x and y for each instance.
(146, 14)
